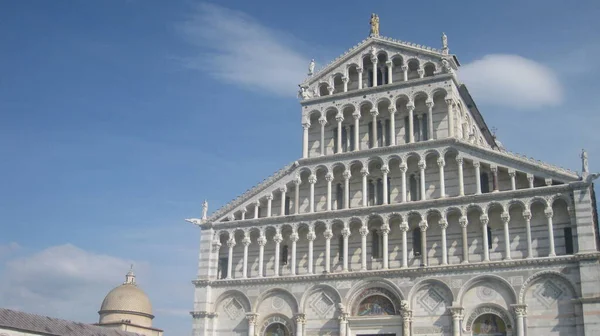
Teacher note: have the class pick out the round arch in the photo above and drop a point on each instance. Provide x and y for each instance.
(489, 308)
(532, 279)
(316, 288)
(474, 281)
(370, 287)
(270, 291)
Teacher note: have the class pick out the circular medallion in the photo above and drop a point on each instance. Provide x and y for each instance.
(277, 303)
(486, 293)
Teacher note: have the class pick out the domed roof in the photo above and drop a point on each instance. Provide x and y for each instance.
(127, 297)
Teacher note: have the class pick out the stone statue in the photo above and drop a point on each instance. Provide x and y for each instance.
(204, 209)
(311, 67)
(303, 93)
(373, 51)
(374, 25)
(444, 41)
(446, 66)
(584, 162)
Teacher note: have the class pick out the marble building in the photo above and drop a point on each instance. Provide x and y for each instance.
(404, 216)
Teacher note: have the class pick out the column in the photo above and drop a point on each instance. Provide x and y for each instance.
(494, 170)
(294, 238)
(329, 178)
(484, 219)
(356, 116)
(345, 234)
(422, 167)
(244, 213)
(262, 241)
(328, 235)
(461, 183)
(505, 220)
(312, 179)
(256, 208)
(406, 320)
(283, 190)
(300, 321)
(549, 213)
(441, 163)
(339, 118)
(411, 135)
(385, 171)
(305, 127)
(465, 244)
(421, 72)
(277, 239)
(392, 135)
(364, 173)
(374, 61)
(345, 80)
(343, 318)
(420, 121)
(527, 217)
(385, 231)
(364, 231)
(530, 180)
(423, 226)
(405, 71)
(252, 319)
(457, 316)
(297, 182)
(477, 166)
(443, 226)
(246, 243)
(230, 244)
(403, 171)
(403, 229)
(450, 118)
(269, 204)
(347, 176)
(429, 104)
(513, 182)
(360, 79)
(323, 122)
(374, 114)
(389, 65)
(311, 238)
(520, 313)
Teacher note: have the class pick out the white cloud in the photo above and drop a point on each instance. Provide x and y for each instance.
(512, 81)
(8, 249)
(61, 281)
(235, 48)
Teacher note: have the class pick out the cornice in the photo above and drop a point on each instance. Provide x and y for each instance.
(396, 207)
(417, 271)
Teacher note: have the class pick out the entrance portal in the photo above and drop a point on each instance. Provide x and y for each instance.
(489, 325)
(276, 329)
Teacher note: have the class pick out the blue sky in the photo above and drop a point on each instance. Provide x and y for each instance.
(117, 118)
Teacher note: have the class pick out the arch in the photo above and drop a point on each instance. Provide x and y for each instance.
(475, 206)
(563, 197)
(494, 204)
(323, 89)
(315, 288)
(276, 319)
(474, 281)
(309, 115)
(365, 102)
(535, 200)
(383, 99)
(432, 151)
(514, 203)
(420, 94)
(429, 69)
(270, 291)
(375, 159)
(450, 210)
(359, 291)
(304, 169)
(416, 287)
(489, 308)
(373, 216)
(347, 106)
(532, 279)
(437, 91)
(321, 167)
(432, 211)
(236, 294)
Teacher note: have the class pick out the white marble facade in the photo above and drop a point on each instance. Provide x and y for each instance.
(404, 216)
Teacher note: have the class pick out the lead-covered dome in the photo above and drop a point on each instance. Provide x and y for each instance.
(127, 302)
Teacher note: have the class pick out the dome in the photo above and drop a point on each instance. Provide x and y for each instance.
(125, 301)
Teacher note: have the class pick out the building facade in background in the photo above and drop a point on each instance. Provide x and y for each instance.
(404, 216)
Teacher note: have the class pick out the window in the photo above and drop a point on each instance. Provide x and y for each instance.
(222, 268)
(375, 244)
(379, 77)
(339, 195)
(335, 136)
(568, 240)
(379, 192)
(485, 183)
(371, 142)
(284, 255)
(371, 191)
(344, 139)
(489, 236)
(379, 133)
(388, 132)
(417, 242)
(341, 247)
(414, 189)
(352, 141)
(287, 205)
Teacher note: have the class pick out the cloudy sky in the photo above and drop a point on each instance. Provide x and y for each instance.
(118, 117)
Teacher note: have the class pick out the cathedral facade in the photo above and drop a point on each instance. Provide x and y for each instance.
(404, 216)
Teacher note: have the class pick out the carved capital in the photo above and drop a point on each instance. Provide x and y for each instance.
(505, 217)
(392, 110)
(441, 162)
(423, 225)
(443, 224)
(300, 318)
(294, 237)
(328, 234)
(527, 215)
(404, 67)
(457, 312)
(420, 72)
(410, 106)
(322, 121)
(364, 172)
(385, 169)
(216, 245)
(344, 79)
(364, 231)
(269, 197)
(388, 63)
(403, 167)
(429, 103)
(252, 318)
(231, 243)
(356, 115)
(343, 317)
(311, 236)
(297, 181)
(359, 69)
(347, 175)
(460, 160)
(463, 221)
(548, 181)
(306, 125)
(484, 219)
(374, 112)
(312, 179)
(246, 241)
(512, 173)
(530, 178)
(278, 238)
(262, 241)
(422, 164)
(403, 226)
(339, 118)
(329, 177)
(385, 229)
(476, 164)
(548, 212)
(520, 310)
(448, 101)
(346, 232)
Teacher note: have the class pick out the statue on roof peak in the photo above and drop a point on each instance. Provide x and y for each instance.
(374, 25)
(445, 44)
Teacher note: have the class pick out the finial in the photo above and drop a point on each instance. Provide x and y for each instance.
(130, 276)
(311, 67)
(374, 25)
(445, 49)
(204, 210)
(494, 129)
(584, 163)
